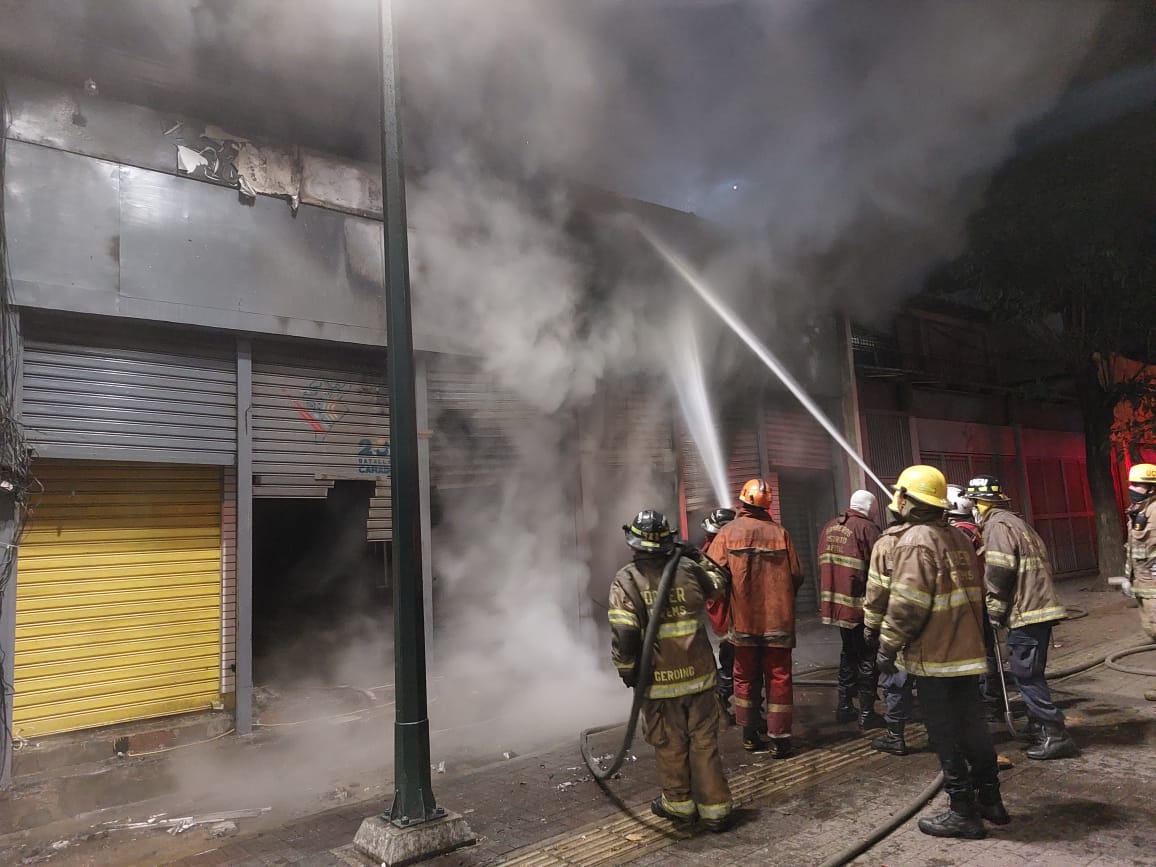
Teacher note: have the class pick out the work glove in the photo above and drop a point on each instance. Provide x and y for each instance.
(1126, 589)
(885, 664)
(996, 620)
(871, 639)
(630, 679)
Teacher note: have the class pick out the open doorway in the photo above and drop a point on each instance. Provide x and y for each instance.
(320, 601)
(807, 503)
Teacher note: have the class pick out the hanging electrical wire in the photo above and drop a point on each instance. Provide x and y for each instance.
(16, 480)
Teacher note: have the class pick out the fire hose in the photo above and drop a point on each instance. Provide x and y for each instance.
(880, 832)
(642, 683)
(913, 806)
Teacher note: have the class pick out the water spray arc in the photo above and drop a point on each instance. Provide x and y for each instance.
(690, 386)
(765, 355)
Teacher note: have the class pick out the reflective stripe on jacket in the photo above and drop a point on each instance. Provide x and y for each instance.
(935, 606)
(1017, 572)
(684, 662)
(765, 575)
(879, 577)
(844, 554)
(1140, 566)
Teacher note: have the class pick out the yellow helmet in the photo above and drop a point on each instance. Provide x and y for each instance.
(925, 484)
(1143, 473)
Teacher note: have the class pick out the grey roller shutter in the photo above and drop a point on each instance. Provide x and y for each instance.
(473, 421)
(105, 392)
(696, 483)
(320, 416)
(742, 448)
(795, 440)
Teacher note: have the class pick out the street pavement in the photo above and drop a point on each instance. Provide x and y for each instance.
(543, 808)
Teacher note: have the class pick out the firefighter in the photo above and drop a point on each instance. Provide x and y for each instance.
(961, 515)
(1020, 594)
(765, 576)
(1140, 566)
(718, 614)
(681, 715)
(935, 617)
(898, 686)
(844, 554)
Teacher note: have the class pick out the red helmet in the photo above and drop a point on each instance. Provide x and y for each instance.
(756, 493)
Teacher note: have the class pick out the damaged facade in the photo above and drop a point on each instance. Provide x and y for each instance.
(201, 368)
(201, 371)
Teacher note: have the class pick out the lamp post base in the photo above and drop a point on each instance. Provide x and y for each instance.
(393, 846)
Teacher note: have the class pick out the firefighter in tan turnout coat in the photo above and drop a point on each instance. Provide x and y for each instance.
(681, 715)
(1022, 596)
(934, 617)
(1140, 566)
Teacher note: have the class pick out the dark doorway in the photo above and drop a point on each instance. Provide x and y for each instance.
(318, 585)
(807, 503)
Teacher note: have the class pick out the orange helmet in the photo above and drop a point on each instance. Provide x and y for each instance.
(756, 493)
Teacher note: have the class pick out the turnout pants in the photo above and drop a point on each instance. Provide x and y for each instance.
(754, 668)
(957, 728)
(857, 674)
(684, 734)
(1028, 657)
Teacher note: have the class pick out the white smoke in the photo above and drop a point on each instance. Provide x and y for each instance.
(858, 137)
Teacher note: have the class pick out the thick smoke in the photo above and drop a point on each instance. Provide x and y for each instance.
(837, 150)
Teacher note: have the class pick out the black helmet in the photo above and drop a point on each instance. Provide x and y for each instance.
(987, 489)
(649, 532)
(717, 519)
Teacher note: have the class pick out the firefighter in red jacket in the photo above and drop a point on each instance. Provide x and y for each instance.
(844, 554)
(765, 576)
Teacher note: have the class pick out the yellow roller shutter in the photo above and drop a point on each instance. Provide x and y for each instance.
(118, 595)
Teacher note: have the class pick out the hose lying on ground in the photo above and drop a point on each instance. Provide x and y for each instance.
(1110, 660)
(854, 851)
(909, 809)
(645, 662)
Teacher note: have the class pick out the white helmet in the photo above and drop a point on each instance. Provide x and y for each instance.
(959, 506)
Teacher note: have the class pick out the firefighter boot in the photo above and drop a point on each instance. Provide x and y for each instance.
(960, 820)
(1034, 733)
(845, 712)
(893, 741)
(1055, 744)
(781, 748)
(990, 804)
(753, 741)
(659, 809)
(868, 719)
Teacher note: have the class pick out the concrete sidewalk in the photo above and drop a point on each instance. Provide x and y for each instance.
(543, 808)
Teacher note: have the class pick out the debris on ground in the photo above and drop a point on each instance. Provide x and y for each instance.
(61, 844)
(180, 824)
(439, 768)
(339, 794)
(562, 787)
(509, 754)
(223, 829)
(1004, 762)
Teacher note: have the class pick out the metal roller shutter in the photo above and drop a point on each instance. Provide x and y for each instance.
(888, 443)
(640, 431)
(695, 479)
(319, 417)
(129, 397)
(118, 603)
(472, 419)
(794, 439)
